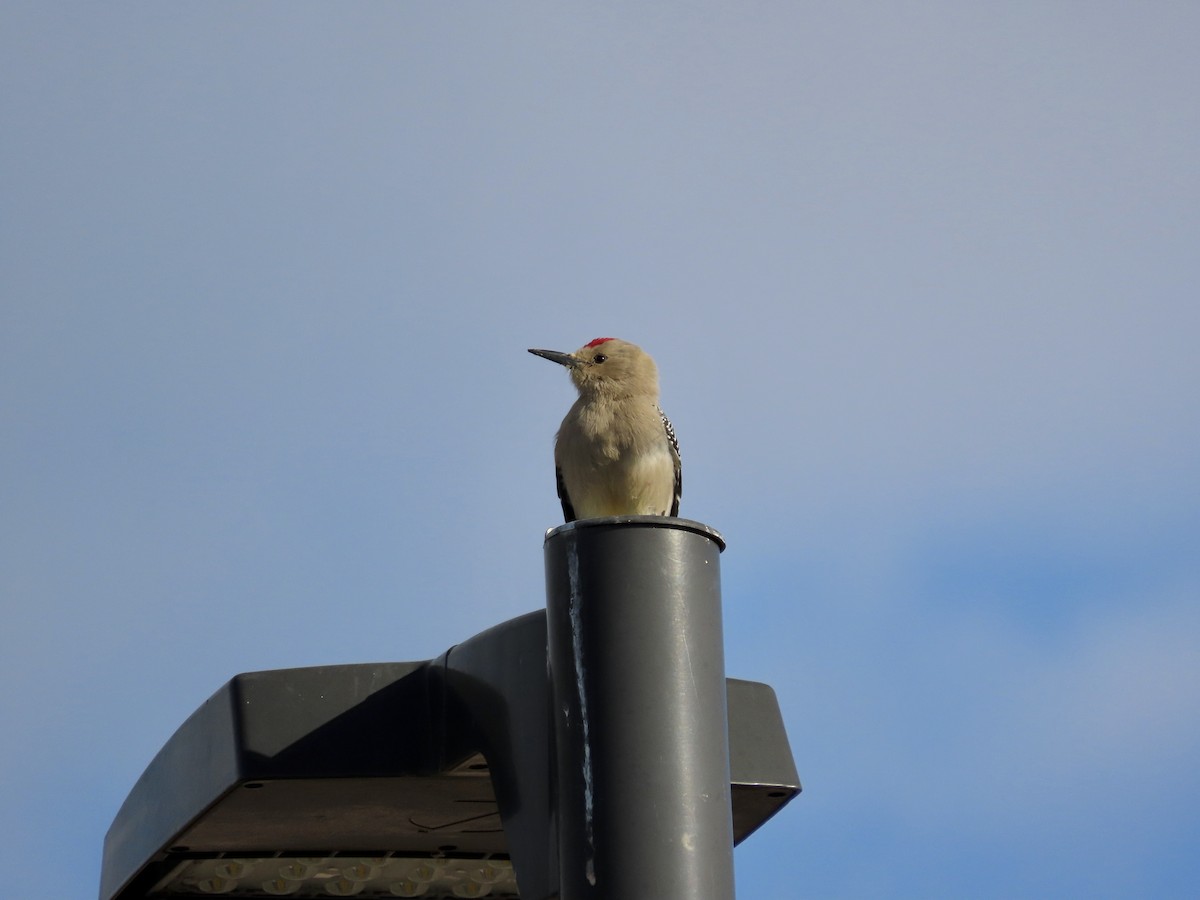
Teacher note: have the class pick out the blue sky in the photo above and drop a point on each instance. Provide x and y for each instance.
(922, 284)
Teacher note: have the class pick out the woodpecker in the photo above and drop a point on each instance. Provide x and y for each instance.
(615, 453)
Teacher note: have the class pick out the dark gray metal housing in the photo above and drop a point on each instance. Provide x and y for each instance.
(446, 757)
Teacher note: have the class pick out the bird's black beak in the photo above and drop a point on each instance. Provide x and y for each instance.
(563, 359)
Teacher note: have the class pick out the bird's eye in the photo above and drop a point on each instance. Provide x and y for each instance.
(599, 358)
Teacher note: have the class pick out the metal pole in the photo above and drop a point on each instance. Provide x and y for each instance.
(637, 670)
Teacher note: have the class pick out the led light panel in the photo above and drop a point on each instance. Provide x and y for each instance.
(432, 878)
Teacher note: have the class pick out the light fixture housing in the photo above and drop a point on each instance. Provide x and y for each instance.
(443, 763)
